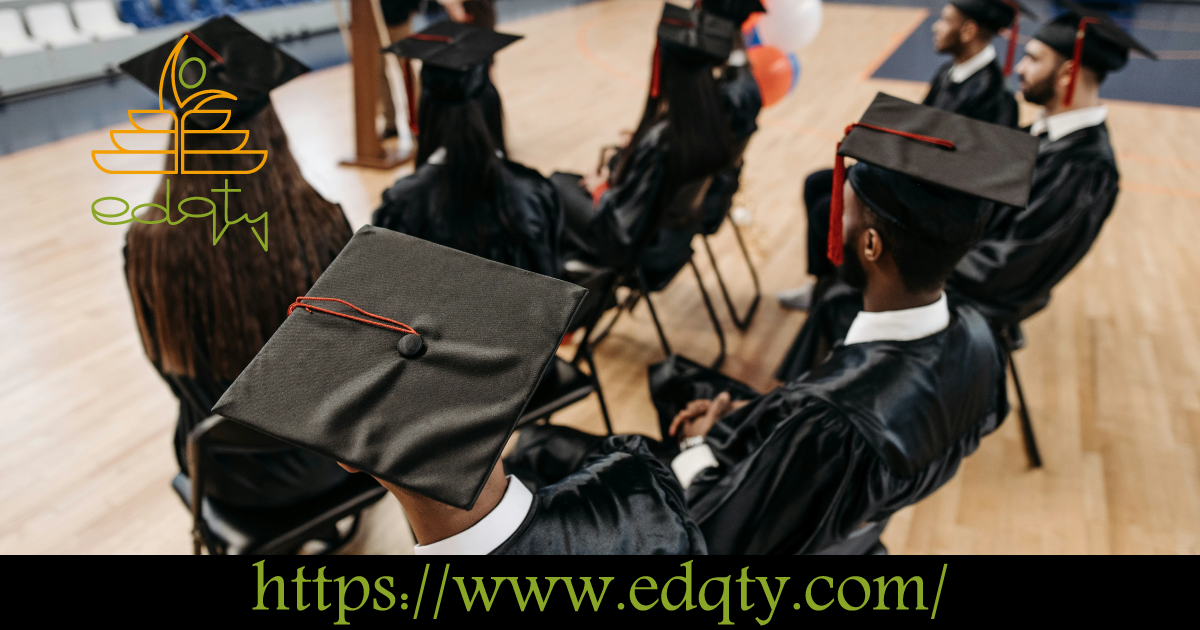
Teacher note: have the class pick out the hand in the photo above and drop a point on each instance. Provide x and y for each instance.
(593, 181)
(626, 136)
(454, 9)
(699, 416)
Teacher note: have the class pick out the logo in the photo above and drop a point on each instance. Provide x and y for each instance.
(177, 137)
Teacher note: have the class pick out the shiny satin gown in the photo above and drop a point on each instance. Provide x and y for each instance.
(527, 236)
(623, 501)
(742, 100)
(811, 466)
(981, 96)
(1026, 251)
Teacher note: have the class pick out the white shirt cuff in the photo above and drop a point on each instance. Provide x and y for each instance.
(491, 531)
(689, 463)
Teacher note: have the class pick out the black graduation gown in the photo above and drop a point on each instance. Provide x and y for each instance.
(623, 502)
(742, 100)
(877, 427)
(621, 230)
(247, 477)
(981, 96)
(835, 304)
(531, 240)
(1026, 251)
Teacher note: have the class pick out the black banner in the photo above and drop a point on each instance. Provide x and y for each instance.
(317, 591)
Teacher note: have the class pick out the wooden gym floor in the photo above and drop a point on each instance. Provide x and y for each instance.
(1112, 368)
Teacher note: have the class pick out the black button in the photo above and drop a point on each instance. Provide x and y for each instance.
(411, 346)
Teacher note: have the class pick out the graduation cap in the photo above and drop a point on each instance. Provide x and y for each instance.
(995, 15)
(693, 35)
(407, 360)
(928, 170)
(736, 11)
(455, 60)
(232, 59)
(1089, 37)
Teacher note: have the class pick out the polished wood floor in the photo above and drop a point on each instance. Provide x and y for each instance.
(1112, 368)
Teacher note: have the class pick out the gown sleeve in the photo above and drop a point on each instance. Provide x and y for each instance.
(1025, 252)
(538, 212)
(624, 501)
(403, 206)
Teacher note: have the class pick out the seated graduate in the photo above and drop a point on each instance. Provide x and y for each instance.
(820, 464)
(742, 101)
(465, 193)
(204, 309)
(645, 209)
(1026, 252)
(427, 408)
(972, 84)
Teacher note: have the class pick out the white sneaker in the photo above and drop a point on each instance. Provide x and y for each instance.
(798, 299)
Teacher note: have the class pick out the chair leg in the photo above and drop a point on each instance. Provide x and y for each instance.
(599, 394)
(1031, 448)
(653, 315)
(627, 305)
(742, 323)
(712, 315)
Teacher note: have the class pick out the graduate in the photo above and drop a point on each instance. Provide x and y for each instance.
(1025, 252)
(645, 209)
(465, 193)
(742, 101)
(821, 463)
(203, 309)
(971, 84)
(418, 379)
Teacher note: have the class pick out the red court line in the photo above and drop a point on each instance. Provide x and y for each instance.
(1160, 190)
(604, 66)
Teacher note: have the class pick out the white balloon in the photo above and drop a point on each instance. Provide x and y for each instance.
(790, 24)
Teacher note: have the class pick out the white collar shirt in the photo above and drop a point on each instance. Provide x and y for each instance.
(1069, 122)
(491, 531)
(960, 72)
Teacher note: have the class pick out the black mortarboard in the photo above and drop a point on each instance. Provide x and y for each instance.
(927, 170)
(430, 411)
(995, 15)
(233, 59)
(453, 46)
(696, 31)
(1089, 37)
(736, 11)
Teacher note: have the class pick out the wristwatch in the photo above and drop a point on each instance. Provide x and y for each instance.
(686, 443)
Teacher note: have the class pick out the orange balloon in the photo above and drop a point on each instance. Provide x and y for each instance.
(772, 71)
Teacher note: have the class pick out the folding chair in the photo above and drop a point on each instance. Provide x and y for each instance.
(718, 202)
(1014, 339)
(564, 383)
(227, 530)
(13, 38)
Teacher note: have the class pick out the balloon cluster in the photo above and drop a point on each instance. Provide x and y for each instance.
(788, 25)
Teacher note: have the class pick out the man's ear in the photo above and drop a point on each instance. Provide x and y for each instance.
(968, 31)
(872, 245)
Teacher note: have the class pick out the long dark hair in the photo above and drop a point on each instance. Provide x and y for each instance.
(697, 134)
(199, 305)
(471, 192)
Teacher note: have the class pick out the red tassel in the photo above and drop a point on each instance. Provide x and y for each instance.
(1012, 44)
(408, 92)
(654, 73)
(834, 250)
(1077, 59)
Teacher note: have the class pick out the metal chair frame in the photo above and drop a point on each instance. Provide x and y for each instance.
(741, 322)
(1027, 435)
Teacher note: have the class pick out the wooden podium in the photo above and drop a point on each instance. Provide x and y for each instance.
(367, 62)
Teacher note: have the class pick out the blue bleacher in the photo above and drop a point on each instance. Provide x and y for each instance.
(211, 8)
(139, 13)
(179, 11)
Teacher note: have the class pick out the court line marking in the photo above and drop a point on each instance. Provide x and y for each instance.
(898, 39)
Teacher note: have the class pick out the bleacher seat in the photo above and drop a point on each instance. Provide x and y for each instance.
(139, 13)
(211, 8)
(245, 5)
(13, 38)
(50, 22)
(99, 19)
(179, 11)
